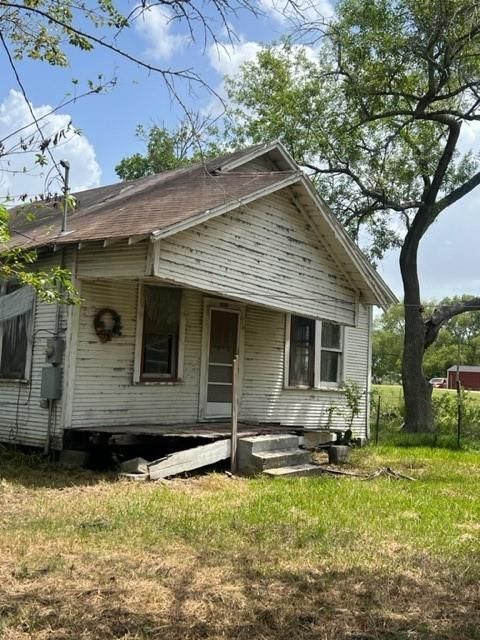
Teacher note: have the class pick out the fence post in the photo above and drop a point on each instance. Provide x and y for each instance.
(377, 421)
(459, 412)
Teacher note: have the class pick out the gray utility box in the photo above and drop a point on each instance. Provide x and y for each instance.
(51, 388)
(54, 350)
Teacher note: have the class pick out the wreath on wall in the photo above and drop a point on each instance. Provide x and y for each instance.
(107, 324)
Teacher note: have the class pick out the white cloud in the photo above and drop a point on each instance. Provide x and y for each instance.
(303, 10)
(155, 26)
(85, 171)
(227, 58)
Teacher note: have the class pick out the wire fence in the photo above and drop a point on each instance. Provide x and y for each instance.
(457, 419)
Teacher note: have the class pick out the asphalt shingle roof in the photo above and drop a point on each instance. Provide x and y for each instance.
(140, 206)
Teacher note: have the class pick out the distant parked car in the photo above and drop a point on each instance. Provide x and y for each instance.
(438, 383)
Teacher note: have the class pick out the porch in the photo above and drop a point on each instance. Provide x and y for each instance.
(202, 430)
(160, 451)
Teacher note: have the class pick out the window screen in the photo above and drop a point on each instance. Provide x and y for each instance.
(160, 332)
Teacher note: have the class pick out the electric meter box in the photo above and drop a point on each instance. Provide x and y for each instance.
(51, 388)
(54, 350)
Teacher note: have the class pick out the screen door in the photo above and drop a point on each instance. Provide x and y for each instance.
(222, 348)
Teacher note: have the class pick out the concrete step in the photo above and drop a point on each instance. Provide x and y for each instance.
(313, 438)
(297, 470)
(280, 458)
(270, 442)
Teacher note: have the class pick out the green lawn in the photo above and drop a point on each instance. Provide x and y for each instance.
(394, 392)
(86, 556)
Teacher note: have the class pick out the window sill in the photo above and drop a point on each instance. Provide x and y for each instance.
(19, 380)
(157, 383)
(337, 388)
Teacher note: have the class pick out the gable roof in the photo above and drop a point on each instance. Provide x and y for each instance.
(160, 205)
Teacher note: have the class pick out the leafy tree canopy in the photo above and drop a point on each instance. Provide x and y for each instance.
(16, 264)
(191, 141)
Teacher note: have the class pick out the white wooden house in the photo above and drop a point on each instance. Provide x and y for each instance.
(179, 272)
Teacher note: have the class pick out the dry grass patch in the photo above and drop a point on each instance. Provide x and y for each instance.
(210, 557)
(196, 597)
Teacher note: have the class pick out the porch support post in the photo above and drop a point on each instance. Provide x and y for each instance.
(233, 455)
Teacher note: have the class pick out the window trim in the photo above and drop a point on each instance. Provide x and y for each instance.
(29, 354)
(139, 329)
(317, 383)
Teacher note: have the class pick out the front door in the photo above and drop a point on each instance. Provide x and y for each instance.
(223, 345)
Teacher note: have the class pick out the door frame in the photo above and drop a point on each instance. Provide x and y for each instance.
(210, 304)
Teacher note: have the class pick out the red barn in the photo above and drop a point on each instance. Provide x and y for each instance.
(469, 377)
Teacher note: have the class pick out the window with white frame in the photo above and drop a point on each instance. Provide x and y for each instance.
(16, 330)
(314, 350)
(161, 333)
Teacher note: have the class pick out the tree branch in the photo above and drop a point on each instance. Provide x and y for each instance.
(375, 195)
(186, 74)
(458, 193)
(445, 313)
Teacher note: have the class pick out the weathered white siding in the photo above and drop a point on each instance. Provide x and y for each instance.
(22, 420)
(267, 253)
(264, 397)
(104, 393)
(115, 261)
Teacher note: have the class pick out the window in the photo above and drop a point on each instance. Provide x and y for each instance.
(331, 352)
(314, 352)
(161, 331)
(302, 352)
(16, 324)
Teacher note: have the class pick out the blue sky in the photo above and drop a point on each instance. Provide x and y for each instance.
(449, 260)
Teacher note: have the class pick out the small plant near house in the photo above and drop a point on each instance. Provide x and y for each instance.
(330, 412)
(353, 396)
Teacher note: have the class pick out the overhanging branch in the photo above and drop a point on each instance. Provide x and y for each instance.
(445, 313)
(459, 192)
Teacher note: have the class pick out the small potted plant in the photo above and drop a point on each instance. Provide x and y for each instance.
(339, 452)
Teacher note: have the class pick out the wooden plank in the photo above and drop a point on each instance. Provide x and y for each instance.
(137, 238)
(190, 459)
(109, 241)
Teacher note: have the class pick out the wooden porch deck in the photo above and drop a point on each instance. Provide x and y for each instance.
(205, 430)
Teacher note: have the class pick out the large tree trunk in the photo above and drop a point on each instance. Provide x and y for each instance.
(416, 389)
